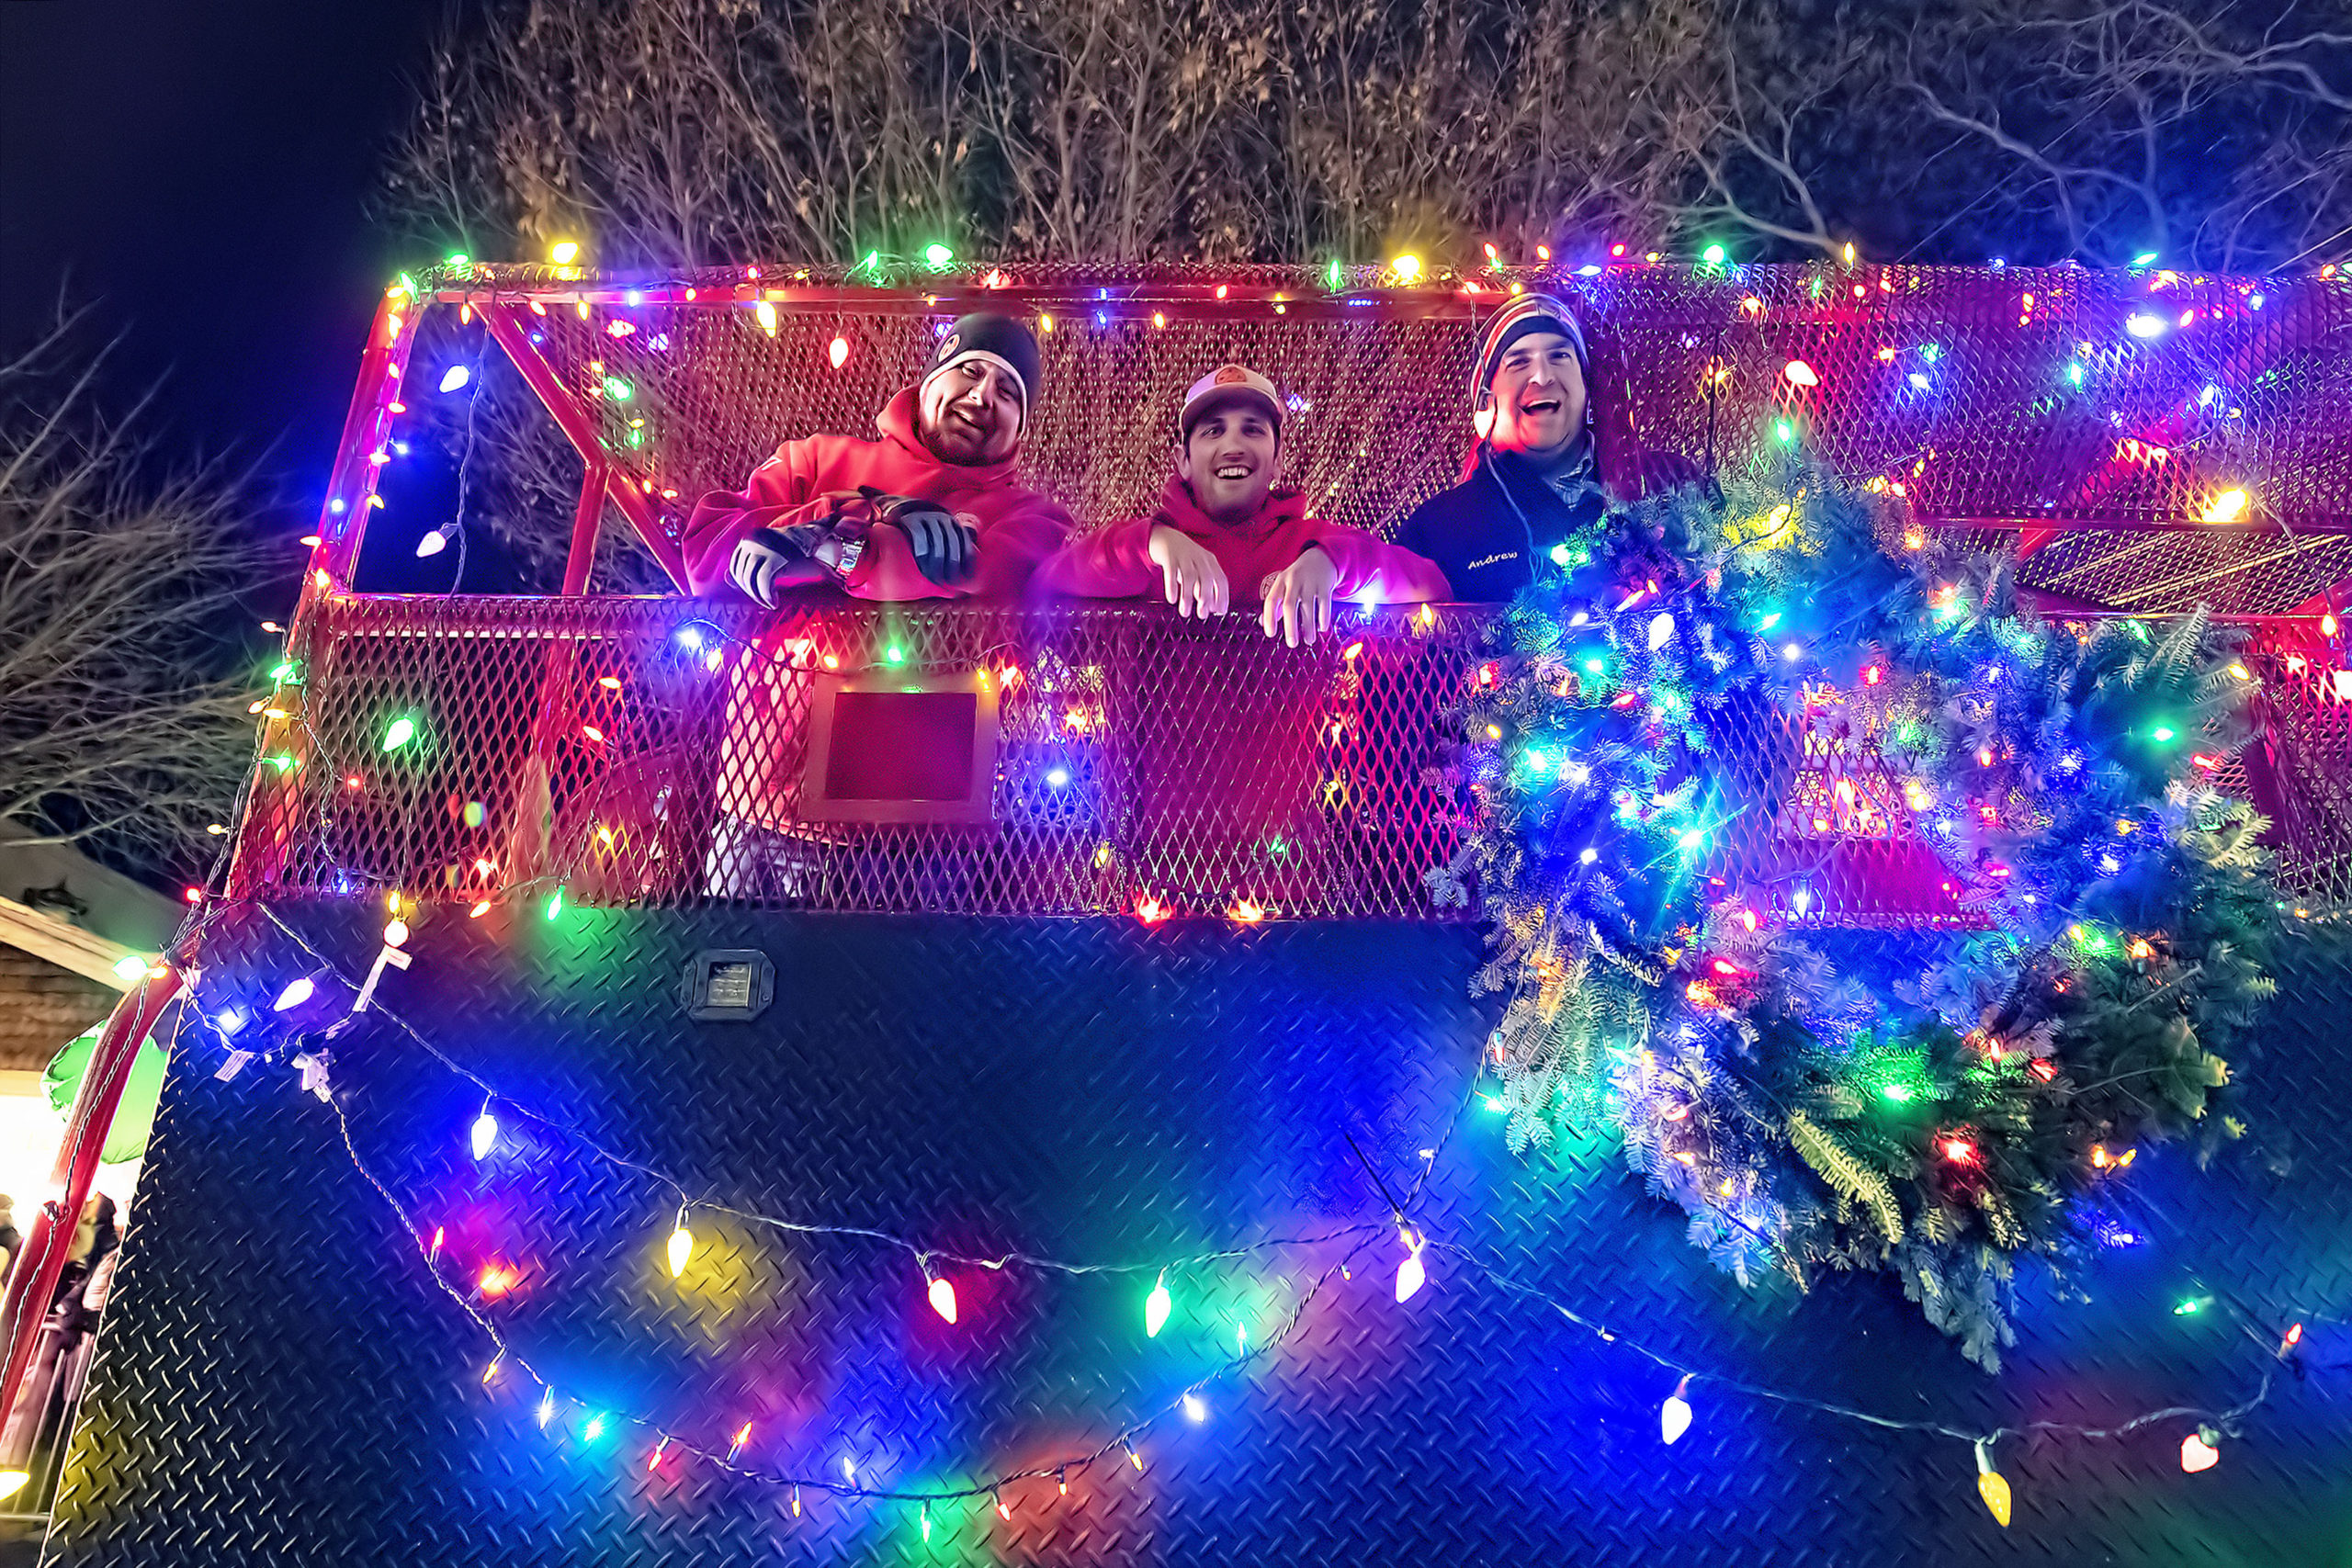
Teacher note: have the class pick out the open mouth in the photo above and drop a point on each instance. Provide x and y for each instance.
(1233, 473)
(1541, 405)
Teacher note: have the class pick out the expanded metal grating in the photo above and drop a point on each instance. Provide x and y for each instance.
(659, 752)
(2024, 398)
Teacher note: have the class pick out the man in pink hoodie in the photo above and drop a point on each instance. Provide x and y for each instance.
(1223, 520)
(928, 512)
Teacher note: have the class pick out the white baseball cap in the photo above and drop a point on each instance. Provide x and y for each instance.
(1229, 383)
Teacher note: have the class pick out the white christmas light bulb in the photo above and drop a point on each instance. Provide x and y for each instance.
(1411, 1275)
(298, 991)
(1661, 630)
(2201, 1450)
(942, 1298)
(1674, 1416)
(485, 1132)
(682, 1245)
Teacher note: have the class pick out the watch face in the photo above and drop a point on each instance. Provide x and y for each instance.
(851, 551)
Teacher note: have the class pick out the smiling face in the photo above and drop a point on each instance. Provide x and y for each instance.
(1538, 395)
(970, 414)
(1229, 460)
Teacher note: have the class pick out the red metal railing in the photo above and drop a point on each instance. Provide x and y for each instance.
(2090, 422)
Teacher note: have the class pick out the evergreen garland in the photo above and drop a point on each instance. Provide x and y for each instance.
(1937, 1104)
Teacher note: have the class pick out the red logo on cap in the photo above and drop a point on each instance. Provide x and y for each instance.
(1231, 376)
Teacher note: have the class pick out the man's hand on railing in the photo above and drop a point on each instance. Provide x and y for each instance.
(1190, 574)
(767, 560)
(946, 549)
(1298, 598)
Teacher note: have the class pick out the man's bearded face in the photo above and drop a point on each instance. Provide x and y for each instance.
(970, 414)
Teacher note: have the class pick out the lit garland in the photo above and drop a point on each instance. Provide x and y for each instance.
(1937, 1115)
(308, 1048)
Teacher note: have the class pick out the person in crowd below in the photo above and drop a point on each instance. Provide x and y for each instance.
(1223, 519)
(928, 512)
(1534, 477)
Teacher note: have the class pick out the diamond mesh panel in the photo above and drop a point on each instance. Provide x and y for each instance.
(659, 752)
(2298, 771)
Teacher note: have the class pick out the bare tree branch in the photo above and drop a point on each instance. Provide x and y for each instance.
(116, 591)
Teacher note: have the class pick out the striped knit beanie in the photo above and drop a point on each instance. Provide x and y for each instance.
(1527, 313)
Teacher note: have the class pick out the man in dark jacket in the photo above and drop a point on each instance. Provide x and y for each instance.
(1533, 479)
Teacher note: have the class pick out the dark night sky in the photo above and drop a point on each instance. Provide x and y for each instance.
(198, 170)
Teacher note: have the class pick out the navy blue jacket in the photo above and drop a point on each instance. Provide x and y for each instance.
(1494, 532)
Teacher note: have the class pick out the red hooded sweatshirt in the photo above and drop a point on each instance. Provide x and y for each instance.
(1115, 562)
(1018, 528)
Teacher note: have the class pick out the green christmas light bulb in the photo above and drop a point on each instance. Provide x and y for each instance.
(399, 733)
(1156, 1308)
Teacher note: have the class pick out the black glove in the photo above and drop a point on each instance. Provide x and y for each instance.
(947, 551)
(759, 555)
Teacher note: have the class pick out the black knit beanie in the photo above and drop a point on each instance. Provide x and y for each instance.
(1002, 341)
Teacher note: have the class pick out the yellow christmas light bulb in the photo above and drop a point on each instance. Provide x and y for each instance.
(2226, 507)
(1991, 1486)
(1674, 1416)
(1407, 268)
(942, 1298)
(1156, 1308)
(13, 1481)
(766, 314)
(682, 1245)
(563, 252)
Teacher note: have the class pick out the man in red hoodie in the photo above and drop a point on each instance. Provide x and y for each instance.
(1221, 520)
(928, 512)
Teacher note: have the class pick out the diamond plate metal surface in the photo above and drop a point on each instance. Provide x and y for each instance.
(279, 1382)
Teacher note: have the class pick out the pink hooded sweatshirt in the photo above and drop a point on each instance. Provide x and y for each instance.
(1115, 562)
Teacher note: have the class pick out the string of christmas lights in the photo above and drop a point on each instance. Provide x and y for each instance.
(2200, 1448)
